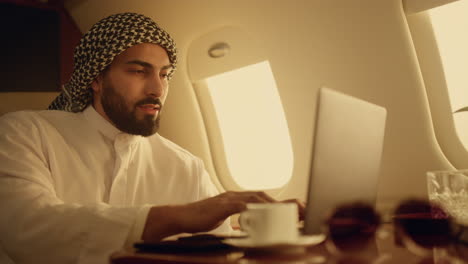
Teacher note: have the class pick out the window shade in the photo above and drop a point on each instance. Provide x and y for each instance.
(416, 6)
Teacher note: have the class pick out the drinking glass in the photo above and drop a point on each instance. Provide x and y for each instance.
(449, 190)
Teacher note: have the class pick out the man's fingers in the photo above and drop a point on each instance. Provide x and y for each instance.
(259, 197)
(236, 207)
(296, 201)
(251, 197)
(266, 197)
(236, 202)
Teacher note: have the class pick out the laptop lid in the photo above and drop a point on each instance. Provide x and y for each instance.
(347, 149)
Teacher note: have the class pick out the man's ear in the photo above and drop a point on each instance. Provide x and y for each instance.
(96, 85)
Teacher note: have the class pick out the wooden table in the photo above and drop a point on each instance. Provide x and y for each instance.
(381, 250)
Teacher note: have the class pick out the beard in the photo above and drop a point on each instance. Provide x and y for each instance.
(124, 117)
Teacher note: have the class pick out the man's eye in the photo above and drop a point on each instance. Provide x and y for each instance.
(138, 71)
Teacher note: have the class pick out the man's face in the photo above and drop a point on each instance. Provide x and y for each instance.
(131, 92)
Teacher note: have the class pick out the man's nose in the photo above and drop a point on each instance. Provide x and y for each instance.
(155, 87)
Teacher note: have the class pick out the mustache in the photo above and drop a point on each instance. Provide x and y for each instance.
(149, 100)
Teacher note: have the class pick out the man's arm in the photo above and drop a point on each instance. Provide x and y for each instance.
(201, 216)
(204, 215)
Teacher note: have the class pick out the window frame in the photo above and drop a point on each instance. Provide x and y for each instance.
(432, 73)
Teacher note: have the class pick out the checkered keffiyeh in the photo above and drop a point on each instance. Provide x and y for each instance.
(98, 48)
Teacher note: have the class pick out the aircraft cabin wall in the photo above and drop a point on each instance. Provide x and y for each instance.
(362, 48)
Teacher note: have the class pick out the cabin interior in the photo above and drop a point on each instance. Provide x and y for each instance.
(386, 52)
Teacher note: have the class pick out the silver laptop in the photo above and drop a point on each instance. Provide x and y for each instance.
(347, 149)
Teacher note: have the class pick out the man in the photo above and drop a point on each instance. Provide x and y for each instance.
(92, 176)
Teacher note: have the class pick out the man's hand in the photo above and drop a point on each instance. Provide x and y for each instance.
(201, 216)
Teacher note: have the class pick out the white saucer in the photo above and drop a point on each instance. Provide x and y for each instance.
(302, 241)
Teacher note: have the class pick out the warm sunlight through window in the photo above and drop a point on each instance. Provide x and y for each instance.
(450, 23)
(253, 126)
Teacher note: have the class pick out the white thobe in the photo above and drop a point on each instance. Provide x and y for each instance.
(73, 188)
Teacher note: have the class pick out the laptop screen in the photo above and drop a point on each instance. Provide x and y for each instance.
(346, 154)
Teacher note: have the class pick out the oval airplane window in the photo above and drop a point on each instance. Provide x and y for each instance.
(437, 32)
(241, 107)
(449, 23)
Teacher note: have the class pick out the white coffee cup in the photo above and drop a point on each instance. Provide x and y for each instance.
(270, 223)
